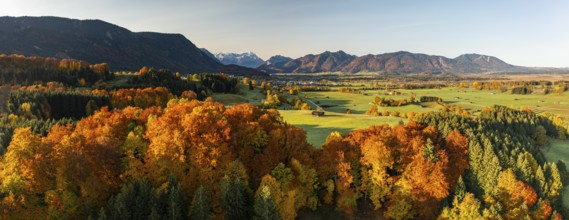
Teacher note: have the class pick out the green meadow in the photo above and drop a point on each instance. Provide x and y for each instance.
(318, 128)
(465, 98)
(335, 104)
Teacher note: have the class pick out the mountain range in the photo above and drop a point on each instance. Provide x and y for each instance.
(96, 41)
(398, 62)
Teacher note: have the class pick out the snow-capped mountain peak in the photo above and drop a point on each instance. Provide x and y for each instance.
(247, 59)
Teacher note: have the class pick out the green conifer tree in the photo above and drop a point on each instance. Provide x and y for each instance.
(201, 205)
(176, 206)
(265, 208)
(235, 194)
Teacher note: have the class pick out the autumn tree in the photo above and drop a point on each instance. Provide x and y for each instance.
(515, 196)
(25, 176)
(467, 208)
(372, 110)
(404, 170)
(143, 70)
(189, 142)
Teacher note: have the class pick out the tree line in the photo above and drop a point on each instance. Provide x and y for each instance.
(201, 84)
(21, 70)
(54, 104)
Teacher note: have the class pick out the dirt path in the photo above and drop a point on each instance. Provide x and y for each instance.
(317, 106)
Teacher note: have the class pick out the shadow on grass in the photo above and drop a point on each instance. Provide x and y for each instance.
(334, 105)
(328, 116)
(450, 102)
(342, 110)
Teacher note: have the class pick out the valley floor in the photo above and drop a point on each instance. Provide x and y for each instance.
(335, 105)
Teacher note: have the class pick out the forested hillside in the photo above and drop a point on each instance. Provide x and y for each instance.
(17, 69)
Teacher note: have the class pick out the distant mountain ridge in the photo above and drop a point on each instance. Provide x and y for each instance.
(324, 62)
(97, 41)
(277, 59)
(398, 62)
(248, 59)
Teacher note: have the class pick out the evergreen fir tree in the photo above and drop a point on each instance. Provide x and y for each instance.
(265, 208)
(176, 207)
(472, 175)
(460, 190)
(490, 170)
(235, 194)
(133, 202)
(201, 205)
(429, 151)
(102, 215)
(91, 107)
(234, 199)
(154, 214)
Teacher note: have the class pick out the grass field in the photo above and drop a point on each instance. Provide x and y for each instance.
(358, 103)
(465, 98)
(335, 105)
(470, 99)
(318, 128)
(244, 96)
(559, 150)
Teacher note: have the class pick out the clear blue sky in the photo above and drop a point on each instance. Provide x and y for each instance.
(521, 32)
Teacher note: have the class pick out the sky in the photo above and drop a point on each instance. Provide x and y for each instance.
(520, 32)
